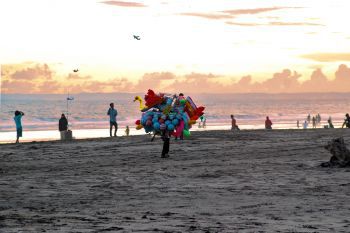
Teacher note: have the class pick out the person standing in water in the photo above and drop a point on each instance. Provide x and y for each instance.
(18, 122)
(112, 113)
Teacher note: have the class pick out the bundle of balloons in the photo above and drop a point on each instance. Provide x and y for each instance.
(163, 112)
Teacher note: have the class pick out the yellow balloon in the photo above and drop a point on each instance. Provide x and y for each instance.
(138, 98)
(138, 127)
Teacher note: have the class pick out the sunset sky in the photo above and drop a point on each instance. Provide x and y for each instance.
(211, 44)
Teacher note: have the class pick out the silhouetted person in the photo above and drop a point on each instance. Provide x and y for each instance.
(234, 125)
(18, 121)
(127, 130)
(268, 123)
(314, 122)
(330, 124)
(63, 126)
(346, 121)
(112, 113)
(308, 118)
(298, 124)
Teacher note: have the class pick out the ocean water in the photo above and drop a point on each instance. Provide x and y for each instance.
(89, 111)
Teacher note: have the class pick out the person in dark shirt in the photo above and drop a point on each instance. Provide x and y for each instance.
(63, 126)
(346, 121)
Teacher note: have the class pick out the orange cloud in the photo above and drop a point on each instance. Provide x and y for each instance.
(327, 57)
(74, 76)
(244, 24)
(273, 24)
(287, 81)
(208, 15)
(124, 4)
(256, 10)
(294, 24)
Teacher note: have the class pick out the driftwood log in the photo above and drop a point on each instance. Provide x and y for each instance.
(340, 154)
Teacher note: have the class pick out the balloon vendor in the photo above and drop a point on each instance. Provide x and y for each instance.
(167, 115)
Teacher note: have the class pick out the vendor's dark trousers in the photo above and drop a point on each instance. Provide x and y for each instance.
(166, 145)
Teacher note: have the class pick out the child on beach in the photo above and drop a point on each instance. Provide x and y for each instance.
(127, 131)
(268, 123)
(18, 121)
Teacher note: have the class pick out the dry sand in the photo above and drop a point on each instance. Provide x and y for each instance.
(217, 181)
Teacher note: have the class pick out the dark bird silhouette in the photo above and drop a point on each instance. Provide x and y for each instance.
(76, 70)
(137, 37)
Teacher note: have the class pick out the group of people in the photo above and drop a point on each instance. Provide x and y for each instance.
(316, 120)
(234, 126)
(113, 113)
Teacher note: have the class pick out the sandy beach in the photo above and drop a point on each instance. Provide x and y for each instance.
(215, 181)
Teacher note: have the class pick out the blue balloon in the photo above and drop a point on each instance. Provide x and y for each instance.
(170, 127)
(167, 122)
(175, 122)
(169, 101)
(156, 126)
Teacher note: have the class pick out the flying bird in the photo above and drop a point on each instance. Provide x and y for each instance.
(137, 37)
(76, 70)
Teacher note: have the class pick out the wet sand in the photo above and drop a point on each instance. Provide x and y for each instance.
(216, 181)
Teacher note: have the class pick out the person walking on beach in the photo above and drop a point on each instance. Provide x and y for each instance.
(112, 113)
(234, 125)
(298, 124)
(346, 121)
(305, 125)
(18, 121)
(268, 123)
(63, 126)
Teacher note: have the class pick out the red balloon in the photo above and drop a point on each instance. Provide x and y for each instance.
(137, 122)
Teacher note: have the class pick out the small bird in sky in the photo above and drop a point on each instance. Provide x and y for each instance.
(137, 37)
(76, 70)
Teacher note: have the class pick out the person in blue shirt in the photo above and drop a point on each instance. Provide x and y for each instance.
(112, 113)
(18, 121)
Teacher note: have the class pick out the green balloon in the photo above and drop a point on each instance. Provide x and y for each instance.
(183, 102)
(186, 133)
